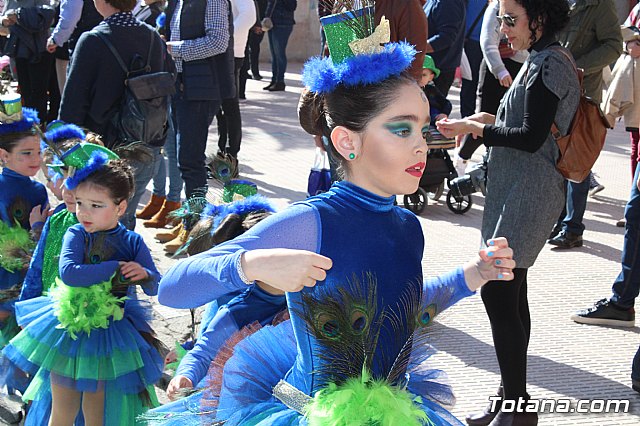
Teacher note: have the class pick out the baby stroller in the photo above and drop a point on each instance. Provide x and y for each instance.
(439, 169)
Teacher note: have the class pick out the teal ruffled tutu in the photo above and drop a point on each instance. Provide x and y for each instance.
(116, 359)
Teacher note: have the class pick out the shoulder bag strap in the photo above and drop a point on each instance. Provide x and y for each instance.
(148, 66)
(114, 51)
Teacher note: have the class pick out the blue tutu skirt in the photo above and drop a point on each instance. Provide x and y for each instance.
(117, 359)
(261, 360)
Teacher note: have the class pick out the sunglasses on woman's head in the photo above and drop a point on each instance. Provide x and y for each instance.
(509, 21)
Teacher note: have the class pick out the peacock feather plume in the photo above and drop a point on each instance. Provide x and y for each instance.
(19, 211)
(97, 248)
(189, 212)
(347, 325)
(222, 167)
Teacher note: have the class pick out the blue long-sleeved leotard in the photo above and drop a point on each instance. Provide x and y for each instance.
(79, 267)
(361, 232)
(18, 196)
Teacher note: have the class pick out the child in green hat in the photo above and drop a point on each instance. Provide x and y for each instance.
(439, 106)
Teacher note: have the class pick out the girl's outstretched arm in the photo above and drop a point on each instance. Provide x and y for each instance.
(202, 278)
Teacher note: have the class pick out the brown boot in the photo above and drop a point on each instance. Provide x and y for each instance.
(166, 236)
(173, 245)
(153, 206)
(161, 219)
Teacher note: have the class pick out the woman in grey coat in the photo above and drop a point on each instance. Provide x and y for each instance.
(525, 192)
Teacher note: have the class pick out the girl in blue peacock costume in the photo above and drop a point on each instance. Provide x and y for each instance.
(43, 268)
(349, 261)
(225, 320)
(85, 348)
(20, 158)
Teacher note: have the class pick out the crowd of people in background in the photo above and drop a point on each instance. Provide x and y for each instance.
(72, 60)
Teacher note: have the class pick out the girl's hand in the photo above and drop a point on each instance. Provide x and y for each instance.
(285, 269)
(493, 263)
(38, 215)
(133, 271)
(177, 383)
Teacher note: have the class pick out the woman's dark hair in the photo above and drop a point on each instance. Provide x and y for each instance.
(351, 107)
(117, 177)
(122, 5)
(9, 141)
(549, 15)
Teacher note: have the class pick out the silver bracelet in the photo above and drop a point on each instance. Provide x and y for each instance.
(241, 273)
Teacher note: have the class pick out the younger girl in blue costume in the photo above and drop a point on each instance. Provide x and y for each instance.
(19, 195)
(83, 349)
(350, 263)
(224, 321)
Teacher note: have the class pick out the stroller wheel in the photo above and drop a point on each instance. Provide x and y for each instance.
(416, 202)
(437, 193)
(459, 205)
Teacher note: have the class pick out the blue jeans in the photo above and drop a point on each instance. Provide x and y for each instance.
(171, 168)
(142, 174)
(627, 284)
(278, 39)
(573, 213)
(192, 120)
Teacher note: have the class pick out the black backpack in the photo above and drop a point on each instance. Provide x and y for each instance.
(144, 108)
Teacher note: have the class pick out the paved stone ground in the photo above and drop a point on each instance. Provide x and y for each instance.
(566, 360)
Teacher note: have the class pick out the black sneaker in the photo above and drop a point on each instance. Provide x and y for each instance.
(635, 385)
(566, 240)
(605, 312)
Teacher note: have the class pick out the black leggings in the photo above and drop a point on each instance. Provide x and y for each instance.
(508, 310)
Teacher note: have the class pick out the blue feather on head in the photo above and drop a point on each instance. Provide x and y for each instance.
(321, 75)
(64, 132)
(29, 119)
(98, 160)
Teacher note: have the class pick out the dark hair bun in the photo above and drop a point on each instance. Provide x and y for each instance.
(310, 112)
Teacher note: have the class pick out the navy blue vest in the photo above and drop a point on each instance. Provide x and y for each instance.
(88, 19)
(203, 79)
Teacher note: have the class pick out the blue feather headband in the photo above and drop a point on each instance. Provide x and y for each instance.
(242, 207)
(321, 75)
(64, 132)
(97, 161)
(29, 119)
